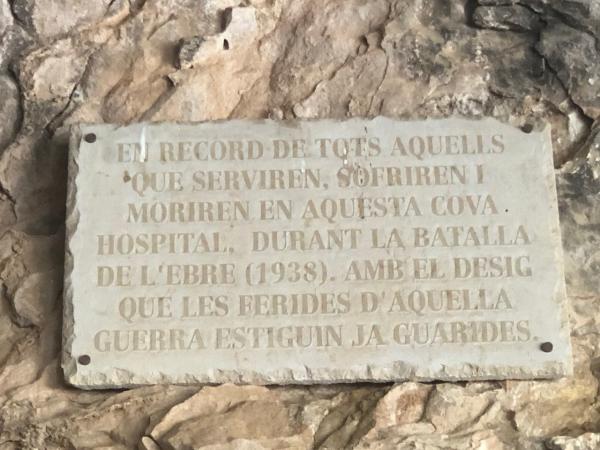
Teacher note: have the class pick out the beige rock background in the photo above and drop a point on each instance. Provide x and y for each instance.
(69, 61)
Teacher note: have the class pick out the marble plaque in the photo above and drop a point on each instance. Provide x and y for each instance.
(312, 252)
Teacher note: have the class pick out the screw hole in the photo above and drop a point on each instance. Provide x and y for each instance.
(225, 44)
(527, 128)
(84, 360)
(90, 138)
(547, 347)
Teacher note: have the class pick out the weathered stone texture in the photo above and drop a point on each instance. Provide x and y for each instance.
(125, 61)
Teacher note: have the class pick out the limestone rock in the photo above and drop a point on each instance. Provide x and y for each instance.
(404, 404)
(241, 32)
(514, 17)
(243, 417)
(346, 418)
(6, 18)
(579, 205)
(39, 207)
(398, 415)
(70, 61)
(582, 14)
(232, 417)
(49, 77)
(52, 18)
(574, 57)
(453, 408)
(147, 443)
(587, 441)
(10, 110)
(88, 421)
(36, 297)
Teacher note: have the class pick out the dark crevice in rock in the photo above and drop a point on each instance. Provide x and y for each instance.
(20, 16)
(137, 5)
(385, 71)
(529, 7)
(367, 420)
(428, 398)
(381, 30)
(354, 413)
(4, 192)
(225, 18)
(515, 18)
(469, 8)
(582, 151)
(589, 121)
(567, 20)
(57, 120)
(161, 100)
(334, 72)
(160, 25)
(109, 6)
(232, 113)
(545, 13)
(20, 117)
(17, 320)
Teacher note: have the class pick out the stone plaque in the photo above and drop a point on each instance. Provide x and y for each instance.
(312, 251)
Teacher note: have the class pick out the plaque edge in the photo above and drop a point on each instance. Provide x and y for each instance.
(552, 370)
(68, 362)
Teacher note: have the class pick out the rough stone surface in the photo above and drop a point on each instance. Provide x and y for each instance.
(576, 62)
(514, 17)
(10, 110)
(587, 441)
(410, 58)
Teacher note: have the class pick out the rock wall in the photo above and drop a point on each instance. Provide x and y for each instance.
(70, 61)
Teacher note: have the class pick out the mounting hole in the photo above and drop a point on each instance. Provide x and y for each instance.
(527, 128)
(90, 138)
(225, 44)
(547, 347)
(84, 360)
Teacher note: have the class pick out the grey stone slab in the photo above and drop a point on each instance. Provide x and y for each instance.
(312, 252)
